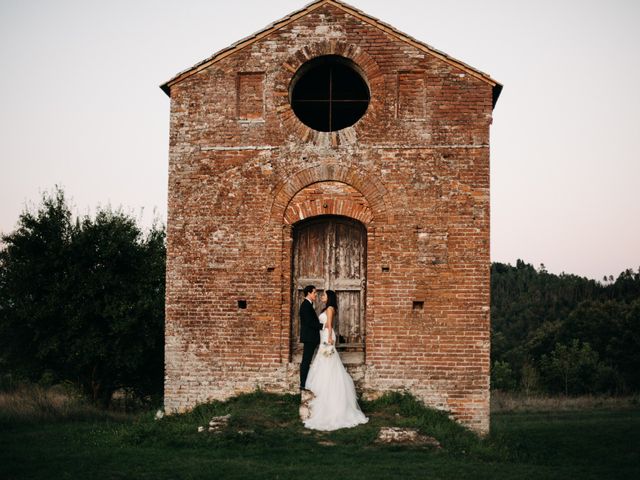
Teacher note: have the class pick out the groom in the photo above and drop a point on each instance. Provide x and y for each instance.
(310, 328)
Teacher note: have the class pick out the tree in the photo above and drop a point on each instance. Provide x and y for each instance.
(530, 378)
(84, 300)
(571, 368)
(502, 376)
(33, 286)
(118, 313)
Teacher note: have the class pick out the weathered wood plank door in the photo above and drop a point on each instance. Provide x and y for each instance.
(330, 253)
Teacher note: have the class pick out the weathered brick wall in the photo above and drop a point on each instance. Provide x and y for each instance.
(414, 170)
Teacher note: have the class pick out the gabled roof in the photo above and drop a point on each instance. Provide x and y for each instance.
(283, 22)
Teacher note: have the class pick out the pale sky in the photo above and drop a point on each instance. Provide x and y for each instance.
(81, 108)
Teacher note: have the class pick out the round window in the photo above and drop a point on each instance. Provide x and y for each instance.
(329, 93)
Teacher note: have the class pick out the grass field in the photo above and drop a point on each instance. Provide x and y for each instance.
(265, 440)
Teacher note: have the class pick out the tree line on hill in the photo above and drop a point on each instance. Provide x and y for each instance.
(82, 300)
(564, 333)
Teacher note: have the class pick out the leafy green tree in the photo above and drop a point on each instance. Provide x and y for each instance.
(623, 347)
(529, 378)
(117, 324)
(571, 368)
(34, 281)
(84, 301)
(502, 376)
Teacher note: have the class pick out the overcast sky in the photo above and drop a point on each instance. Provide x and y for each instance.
(81, 108)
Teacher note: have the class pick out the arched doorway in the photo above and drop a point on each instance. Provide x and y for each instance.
(330, 252)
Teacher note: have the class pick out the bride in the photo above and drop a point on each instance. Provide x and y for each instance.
(335, 404)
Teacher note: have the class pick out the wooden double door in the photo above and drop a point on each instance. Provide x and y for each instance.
(330, 252)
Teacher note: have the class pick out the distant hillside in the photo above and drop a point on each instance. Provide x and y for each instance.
(564, 333)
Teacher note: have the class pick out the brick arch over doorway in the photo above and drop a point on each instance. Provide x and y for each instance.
(328, 198)
(360, 188)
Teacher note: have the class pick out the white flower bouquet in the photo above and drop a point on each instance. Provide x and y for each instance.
(326, 349)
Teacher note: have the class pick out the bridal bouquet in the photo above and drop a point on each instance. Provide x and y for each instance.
(326, 349)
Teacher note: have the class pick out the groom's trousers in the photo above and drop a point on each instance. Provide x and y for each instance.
(307, 356)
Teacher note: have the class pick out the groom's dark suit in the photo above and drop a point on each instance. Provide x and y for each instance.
(310, 328)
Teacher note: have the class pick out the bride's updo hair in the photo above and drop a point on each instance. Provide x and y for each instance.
(332, 300)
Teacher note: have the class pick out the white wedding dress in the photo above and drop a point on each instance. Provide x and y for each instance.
(335, 404)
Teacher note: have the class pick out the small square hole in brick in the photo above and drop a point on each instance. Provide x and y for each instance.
(385, 268)
(242, 304)
(418, 305)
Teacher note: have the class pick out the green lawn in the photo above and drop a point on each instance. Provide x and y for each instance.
(598, 444)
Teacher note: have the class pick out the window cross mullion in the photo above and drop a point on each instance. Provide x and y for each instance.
(330, 98)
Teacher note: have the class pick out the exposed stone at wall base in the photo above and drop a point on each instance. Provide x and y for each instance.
(470, 411)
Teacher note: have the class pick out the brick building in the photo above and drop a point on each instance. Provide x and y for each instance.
(332, 149)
